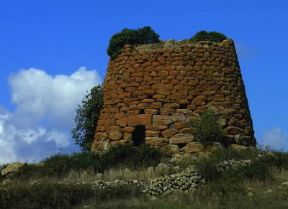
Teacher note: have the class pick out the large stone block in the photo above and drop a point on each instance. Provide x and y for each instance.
(199, 101)
(115, 133)
(101, 135)
(144, 119)
(193, 147)
(149, 133)
(128, 129)
(181, 139)
(122, 121)
(154, 127)
(162, 120)
(100, 146)
(151, 111)
(169, 132)
(178, 117)
(232, 130)
(156, 141)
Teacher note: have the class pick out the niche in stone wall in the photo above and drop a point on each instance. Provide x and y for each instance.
(183, 106)
(138, 135)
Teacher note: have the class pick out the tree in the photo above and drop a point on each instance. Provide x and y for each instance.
(87, 116)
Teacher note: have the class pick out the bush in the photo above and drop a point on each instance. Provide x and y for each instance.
(44, 195)
(277, 159)
(131, 156)
(143, 35)
(208, 36)
(258, 169)
(59, 166)
(87, 116)
(52, 195)
(118, 156)
(207, 128)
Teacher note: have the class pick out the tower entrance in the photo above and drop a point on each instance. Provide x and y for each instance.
(138, 135)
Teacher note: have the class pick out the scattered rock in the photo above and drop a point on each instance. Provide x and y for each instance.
(11, 169)
(250, 194)
(181, 139)
(193, 147)
(238, 147)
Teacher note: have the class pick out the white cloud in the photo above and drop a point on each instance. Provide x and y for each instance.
(45, 107)
(39, 94)
(275, 139)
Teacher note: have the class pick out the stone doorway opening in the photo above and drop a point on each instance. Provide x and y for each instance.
(138, 135)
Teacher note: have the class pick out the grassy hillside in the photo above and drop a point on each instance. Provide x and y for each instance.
(126, 178)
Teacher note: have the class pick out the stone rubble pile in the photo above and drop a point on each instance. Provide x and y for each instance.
(233, 164)
(187, 180)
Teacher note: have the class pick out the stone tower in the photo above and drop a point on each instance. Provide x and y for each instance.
(152, 92)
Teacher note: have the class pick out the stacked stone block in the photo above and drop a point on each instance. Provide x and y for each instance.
(165, 86)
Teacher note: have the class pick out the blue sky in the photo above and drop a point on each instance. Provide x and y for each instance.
(63, 43)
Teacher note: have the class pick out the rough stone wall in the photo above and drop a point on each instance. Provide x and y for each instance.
(164, 86)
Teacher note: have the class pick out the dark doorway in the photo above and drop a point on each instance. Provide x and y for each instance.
(138, 135)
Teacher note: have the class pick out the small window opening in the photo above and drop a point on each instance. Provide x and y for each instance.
(141, 112)
(183, 106)
(138, 135)
(182, 145)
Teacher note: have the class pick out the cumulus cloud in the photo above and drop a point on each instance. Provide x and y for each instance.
(275, 139)
(39, 94)
(44, 111)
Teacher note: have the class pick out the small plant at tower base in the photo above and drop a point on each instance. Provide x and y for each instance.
(208, 129)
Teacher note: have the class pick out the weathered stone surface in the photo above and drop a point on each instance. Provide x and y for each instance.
(119, 142)
(232, 130)
(156, 127)
(179, 125)
(122, 121)
(100, 146)
(170, 149)
(127, 136)
(152, 133)
(164, 87)
(156, 141)
(193, 147)
(168, 133)
(181, 139)
(128, 129)
(161, 120)
(238, 147)
(11, 169)
(186, 131)
(135, 120)
(184, 111)
(178, 117)
(151, 111)
(115, 133)
(199, 101)
(101, 135)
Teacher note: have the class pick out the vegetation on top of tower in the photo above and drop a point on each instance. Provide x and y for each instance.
(208, 36)
(145, 35)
